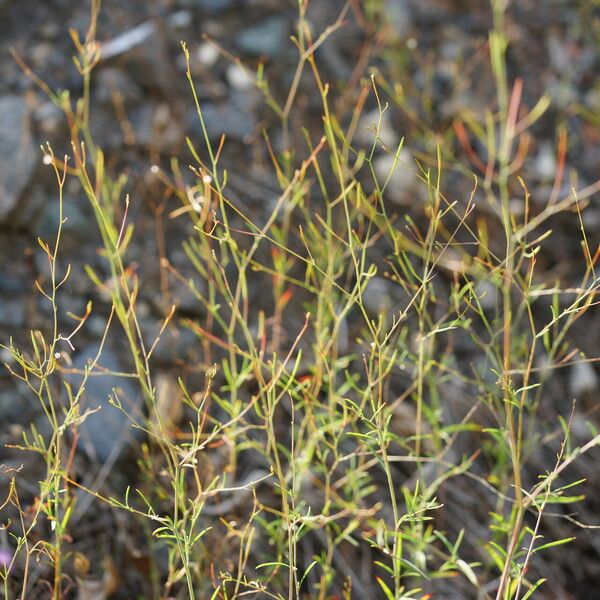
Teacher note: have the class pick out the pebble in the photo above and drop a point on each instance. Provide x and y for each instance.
(545, 162)
(76, 225)
(11, 285)
(239, 78)
(12, 314)
(400, 17)
(403, 181)
(185, 299)
(49, 119)
(167, 134)
(582, 379)
(19, 156)
(265, 38)
(207, 54)
(367, 129)
(377, 296)
(343, 337)
(106, 432)
(174, 344)
(488, 295)
(110, 81)
(208, 5)
(226, 118)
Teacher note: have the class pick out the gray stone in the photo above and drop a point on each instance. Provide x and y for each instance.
(174, 344)
(10, 284)
(402, 186)
(105, 128)
(399, 14)
(49, 118)
(12, 313)
(167, 134)
(76, 225)
(223, 119)
(105, 433)
(343, 337)
(265, 38)
(17, 405)
(207, 54)
(367, 130)
(240, 78)
(377, 296)
(558, 54)
(18, 154)
(582, 379)
(488, 294)
(185, 299)
(207, 5)
(545, 162)
(109, 81)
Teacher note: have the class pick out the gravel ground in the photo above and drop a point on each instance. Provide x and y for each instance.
(142, 111)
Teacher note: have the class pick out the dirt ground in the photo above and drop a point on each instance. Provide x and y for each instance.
(142, 110)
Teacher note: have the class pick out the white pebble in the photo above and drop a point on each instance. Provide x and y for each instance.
(582, 379)
(487, 293)
(367, 129)
(239, 78)
(402, 186)
(545, 162)
(207, 54)
(376, 296)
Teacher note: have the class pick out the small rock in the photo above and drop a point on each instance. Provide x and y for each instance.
(16, 404)
(208, 5)
(49, 119)
(367, 129)
(168, 400)
(110, 81)
(106, 432)
(180, 19)
(582, 379)
(50, 30)
(402, 185)
(150, 67)
(174, 344)
(343, 337)
(207, 54)
(11, 285)
(558, 53)
(95, 326)
(76, 225)
(107, 130)
(485, 371)
(377, 296)
(168, 135)
(18, 154)
(516, 206)
(183, 296)
(545, 162)
(488, 294)
(226, 118)
(6, 557)
(265, 38)
(399, 14)
(452, 49)
(239, 78)
(6, 357)
(12, 313)
(141, 120)
(563, 93)
(591, 218)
